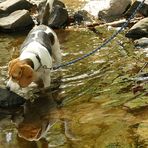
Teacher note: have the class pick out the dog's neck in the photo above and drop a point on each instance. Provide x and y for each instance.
(33, 58)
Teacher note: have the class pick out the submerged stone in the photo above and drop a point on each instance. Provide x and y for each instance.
(142, 131)
(10, 99)
(137, 103)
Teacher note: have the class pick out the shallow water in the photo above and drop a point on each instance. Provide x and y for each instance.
(99, 107)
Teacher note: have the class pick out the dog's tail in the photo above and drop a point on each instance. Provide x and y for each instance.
(44, 11)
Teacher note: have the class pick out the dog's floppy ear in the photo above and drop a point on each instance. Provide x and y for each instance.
(27, 75)
(11, 64)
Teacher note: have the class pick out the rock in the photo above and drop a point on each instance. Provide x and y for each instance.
(2, 1)
(19, 19)
(107, 8)
(57, 2)
(95, 6)
(116, 8)
(143, 10)
(58, 17)
(118, 23)
(36, 2)
(10, 99)
(139, 30)
(10, 6)
(82, 16)
(143, 42)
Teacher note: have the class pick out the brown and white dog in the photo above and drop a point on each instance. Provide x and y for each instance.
(38, 50)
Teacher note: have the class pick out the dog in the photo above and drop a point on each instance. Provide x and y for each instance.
(39, 50)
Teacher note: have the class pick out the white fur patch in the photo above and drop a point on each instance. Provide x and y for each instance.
(12, 85)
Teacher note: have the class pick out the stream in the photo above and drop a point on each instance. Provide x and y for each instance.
(96, 104)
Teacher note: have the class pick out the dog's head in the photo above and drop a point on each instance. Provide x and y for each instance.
(20, 74)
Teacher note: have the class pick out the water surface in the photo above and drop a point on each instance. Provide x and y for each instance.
(98, 107)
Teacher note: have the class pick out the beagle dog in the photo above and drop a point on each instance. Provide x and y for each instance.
(40, 49)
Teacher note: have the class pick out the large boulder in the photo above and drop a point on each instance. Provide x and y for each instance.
(107, 8)
(143, 10)
(95, 6)
(139, 30)
(56, 18)
(10, 6)
(116, 8)
(19, 19)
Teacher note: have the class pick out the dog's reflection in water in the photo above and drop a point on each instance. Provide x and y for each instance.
(38, 117)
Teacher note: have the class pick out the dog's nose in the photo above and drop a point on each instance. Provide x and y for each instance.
(8, 87)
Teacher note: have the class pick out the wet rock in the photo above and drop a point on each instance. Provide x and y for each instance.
(19, 19)
(57, 2)
(116, 8)
(8, 6)
(58, 17)
(143, 10)
(10, 99)
(95, 6)
(106, 9)
(143, 42)
(139, 30)
(142, 131)
(2, 1)
(137, 103)
(81, 17)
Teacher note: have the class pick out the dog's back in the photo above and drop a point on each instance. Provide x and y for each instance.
(41, 34)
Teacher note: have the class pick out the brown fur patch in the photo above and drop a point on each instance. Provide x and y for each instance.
(20, 72)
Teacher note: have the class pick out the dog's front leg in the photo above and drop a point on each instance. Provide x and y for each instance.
(46, 78)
